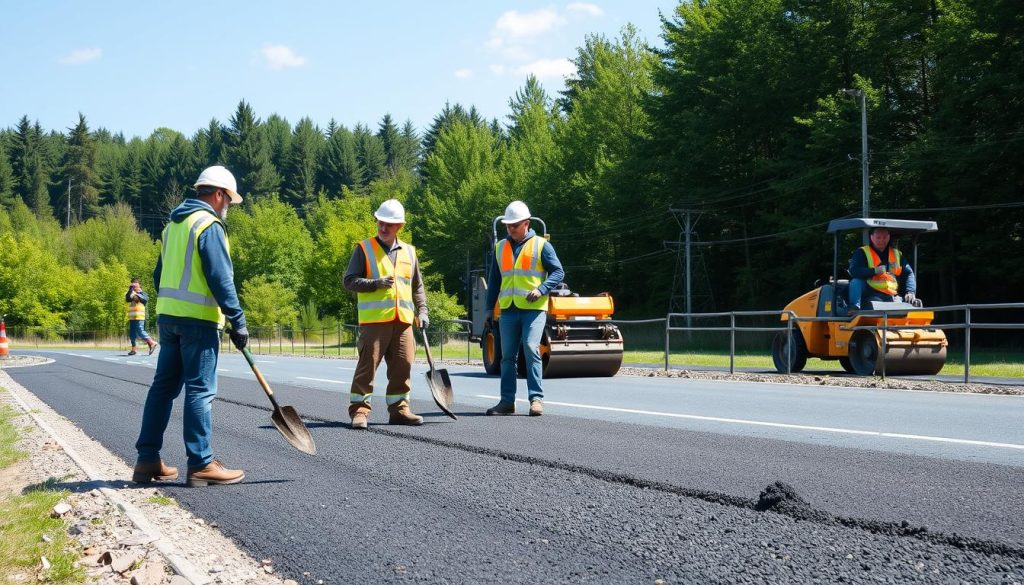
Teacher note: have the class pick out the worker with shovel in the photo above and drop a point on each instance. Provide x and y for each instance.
(385, 275)
(194, 278)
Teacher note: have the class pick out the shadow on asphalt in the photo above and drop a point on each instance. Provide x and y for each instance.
(78, 487)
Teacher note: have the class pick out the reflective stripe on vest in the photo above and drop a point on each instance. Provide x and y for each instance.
(136, 311)
(387, 304)
(886, 282)
(521, 274)
(184, 291)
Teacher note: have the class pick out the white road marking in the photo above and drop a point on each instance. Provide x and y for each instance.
(340, 368)
(741, 421)
(134, 362)
(223, 370)
(112, 359)
(320, 380)
(264, 362)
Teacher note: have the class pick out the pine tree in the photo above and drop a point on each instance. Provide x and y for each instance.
(7, 197)
(389, 136)
(301, 186)
(339, 164)
(248, 154)
(370, 153)
(79, 171)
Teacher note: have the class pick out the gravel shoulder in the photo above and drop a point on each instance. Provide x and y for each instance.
(126, 533)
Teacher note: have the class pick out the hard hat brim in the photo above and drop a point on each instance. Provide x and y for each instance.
(511, 221)
(389, 219)
(235, 197)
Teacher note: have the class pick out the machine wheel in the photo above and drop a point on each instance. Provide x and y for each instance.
(490, 343)
(779, 352)
(863, 353)
(845, 362)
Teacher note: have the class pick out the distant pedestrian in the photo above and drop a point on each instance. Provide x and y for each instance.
(385, 275)
(137, 300)
(195, 280)
(523, 271)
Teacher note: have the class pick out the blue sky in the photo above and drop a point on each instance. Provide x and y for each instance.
(137, 66)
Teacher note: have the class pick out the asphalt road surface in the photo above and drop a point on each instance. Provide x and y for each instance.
(623, 480)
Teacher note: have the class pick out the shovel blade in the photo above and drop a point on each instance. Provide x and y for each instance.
(287, 421)
(440, 384)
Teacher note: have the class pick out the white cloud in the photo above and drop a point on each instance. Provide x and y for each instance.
(463, 73)
(584, 8)
(281, 57)
(497, 68)
(517, 25)
(79, 56)
(548, 68)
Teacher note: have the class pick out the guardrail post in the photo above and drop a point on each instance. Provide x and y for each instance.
(323, 341)
(967, 345)
(668, 322)
(468, 331)
(789, 344)
(732, 343)
(885, 331)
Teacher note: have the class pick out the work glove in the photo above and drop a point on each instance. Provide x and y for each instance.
(386, 282)
(912, 299)
(239, 337)
(881, 269)
(424, 321)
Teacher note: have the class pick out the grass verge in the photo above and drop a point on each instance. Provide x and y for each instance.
(25, 520)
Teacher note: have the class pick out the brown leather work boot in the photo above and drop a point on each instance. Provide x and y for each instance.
(154, 471)
(502, 408)
(152, 346)
(536, 407)
(359, 420)
(214, 473)
(401, 414)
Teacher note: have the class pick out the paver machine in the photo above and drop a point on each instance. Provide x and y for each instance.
(859, 342)
(579, 340)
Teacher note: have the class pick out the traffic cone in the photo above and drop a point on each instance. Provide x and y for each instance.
(4, 350)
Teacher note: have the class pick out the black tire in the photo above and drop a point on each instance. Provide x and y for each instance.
(863, 353)
(798, 356)
(490, 343)
(845, 362)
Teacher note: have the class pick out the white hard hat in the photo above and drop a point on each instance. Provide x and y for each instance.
(516, 212)
(391, 211)
(218, 176)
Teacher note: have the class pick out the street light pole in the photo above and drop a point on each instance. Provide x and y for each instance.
(865, 190)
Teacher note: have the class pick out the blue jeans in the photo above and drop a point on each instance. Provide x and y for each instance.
(521, 328)
(136, 330)
(188, 356)
(859, 286)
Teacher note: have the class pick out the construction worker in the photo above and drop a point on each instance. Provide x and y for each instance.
(880, 270)
(137, 301)
(524, 271)
(195, 280)
(385, 275)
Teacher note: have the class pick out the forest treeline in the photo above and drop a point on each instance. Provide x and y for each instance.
(737, 120)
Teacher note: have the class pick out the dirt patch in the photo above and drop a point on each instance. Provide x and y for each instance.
(17, 361)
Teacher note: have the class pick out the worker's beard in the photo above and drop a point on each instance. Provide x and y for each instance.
(223, 213)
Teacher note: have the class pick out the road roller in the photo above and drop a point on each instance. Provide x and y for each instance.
(579, 338)
(883, 338)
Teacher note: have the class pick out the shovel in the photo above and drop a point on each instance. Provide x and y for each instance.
(285, 418)
(439, 383)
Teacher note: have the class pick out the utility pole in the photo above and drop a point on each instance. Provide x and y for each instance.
(865, 189)
(684, 262)
(68, 223)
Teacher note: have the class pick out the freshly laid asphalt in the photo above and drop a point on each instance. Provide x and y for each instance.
(593, 491)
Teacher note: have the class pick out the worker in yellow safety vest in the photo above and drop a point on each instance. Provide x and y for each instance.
(136, 300)
(385, 275)
(524, 270)
(196, 295)
(878, 271)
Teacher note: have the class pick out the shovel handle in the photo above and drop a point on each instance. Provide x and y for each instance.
(426, 346)
(259, 376)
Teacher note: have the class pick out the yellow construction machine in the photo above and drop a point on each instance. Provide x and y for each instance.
(579, 340)
(882, 338)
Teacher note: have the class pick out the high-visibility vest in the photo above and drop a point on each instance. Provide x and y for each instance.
(136, 311)
(521, 274)
(184, 291)
(387, 304)
(886, 282)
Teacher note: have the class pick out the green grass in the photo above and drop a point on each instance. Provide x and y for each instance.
(26, 518)
(9, 453)
(162, 501)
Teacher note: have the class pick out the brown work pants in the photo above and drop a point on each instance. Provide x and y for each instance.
(394, 342)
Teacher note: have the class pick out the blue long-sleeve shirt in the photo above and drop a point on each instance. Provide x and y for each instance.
(142, 296)
(547, 256)
(859, 269)
(217, 268)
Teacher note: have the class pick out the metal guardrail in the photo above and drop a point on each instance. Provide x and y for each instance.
(966, 326)
(346, 335)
